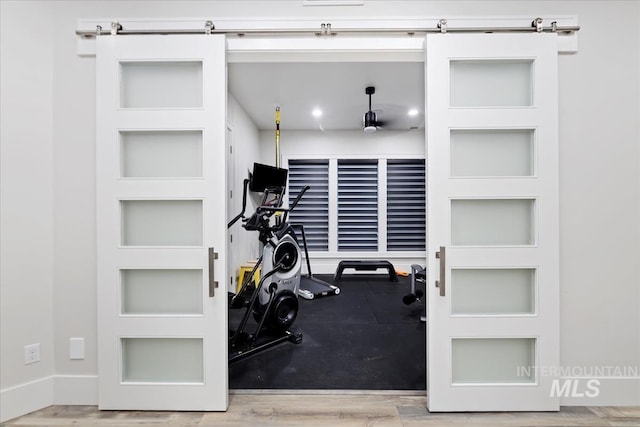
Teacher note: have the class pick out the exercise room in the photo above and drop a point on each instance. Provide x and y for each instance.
(331, 212)
(354, 133)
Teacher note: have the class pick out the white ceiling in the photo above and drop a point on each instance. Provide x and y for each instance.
(337, 88)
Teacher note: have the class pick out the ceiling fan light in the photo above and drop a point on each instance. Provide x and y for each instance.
(369, 121)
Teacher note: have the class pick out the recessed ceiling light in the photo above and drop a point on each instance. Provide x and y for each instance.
(413, 112)
(316, 112)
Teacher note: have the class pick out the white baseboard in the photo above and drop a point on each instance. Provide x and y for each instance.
(54, 390)
(75, 390)
(25, 398)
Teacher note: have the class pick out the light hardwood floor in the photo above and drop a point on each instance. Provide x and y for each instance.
(284, 410)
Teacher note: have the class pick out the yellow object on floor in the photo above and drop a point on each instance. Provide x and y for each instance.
(246, 269)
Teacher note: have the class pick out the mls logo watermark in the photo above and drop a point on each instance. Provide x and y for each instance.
(574, 387)
(578, 381)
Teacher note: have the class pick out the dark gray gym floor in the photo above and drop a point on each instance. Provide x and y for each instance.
(364, 338)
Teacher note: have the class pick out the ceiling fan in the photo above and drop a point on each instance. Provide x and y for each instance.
(370, 122)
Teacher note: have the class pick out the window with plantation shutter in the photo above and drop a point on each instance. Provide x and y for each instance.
(313, 209)
(406, 216)
(357, 205)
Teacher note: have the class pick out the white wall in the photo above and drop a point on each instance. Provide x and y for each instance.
(246, 150)
(27, 197)
(342, 144)
(48, 193)
(599, 206)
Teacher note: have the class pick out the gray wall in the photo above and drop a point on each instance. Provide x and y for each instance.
(48, 185)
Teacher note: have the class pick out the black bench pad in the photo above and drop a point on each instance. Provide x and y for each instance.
(365, 265)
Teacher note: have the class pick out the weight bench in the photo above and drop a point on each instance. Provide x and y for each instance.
(365, 265)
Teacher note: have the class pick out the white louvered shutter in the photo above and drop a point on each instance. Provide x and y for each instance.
(313, 209)
(406, 218)
(357, 205)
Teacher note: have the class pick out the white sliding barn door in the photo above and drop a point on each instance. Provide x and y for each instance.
(161, 216)
(492, 153)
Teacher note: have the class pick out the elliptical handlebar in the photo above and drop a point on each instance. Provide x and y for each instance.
(297, 199)
(290, 208)
(272, 210)
(268, 210)
(244, 203)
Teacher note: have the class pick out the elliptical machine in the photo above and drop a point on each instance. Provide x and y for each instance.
(273, 303)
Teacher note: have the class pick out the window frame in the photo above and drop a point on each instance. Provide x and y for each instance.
(333, 252)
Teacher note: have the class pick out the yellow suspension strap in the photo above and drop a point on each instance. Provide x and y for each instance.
(278, 216)
(277, 136)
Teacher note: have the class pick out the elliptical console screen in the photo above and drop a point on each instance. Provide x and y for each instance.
(272, 197)
(265, 176)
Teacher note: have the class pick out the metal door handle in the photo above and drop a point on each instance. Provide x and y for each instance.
(443, 271)
(213, 284)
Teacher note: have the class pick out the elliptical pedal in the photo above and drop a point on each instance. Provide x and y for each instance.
(295, 338)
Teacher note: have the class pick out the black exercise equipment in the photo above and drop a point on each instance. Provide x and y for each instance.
(312, 287)
(418, 274)
(273, 303)
(365, 265)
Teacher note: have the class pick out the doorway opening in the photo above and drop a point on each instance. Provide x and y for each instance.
(365, 338)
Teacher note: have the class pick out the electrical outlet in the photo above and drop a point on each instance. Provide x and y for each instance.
(31, 353)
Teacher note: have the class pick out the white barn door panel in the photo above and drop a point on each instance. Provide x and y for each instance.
(161, 222)
(493, 280)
